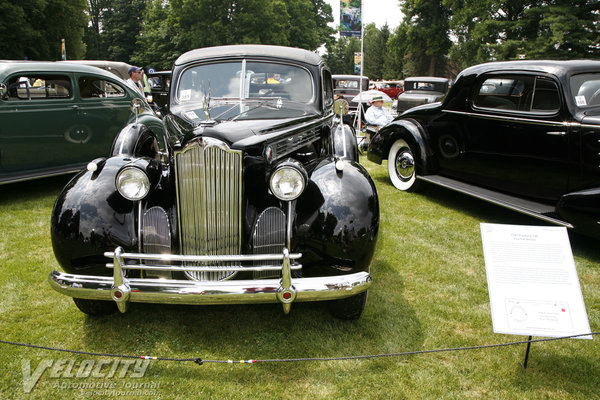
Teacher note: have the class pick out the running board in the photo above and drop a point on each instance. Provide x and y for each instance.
(527, 207)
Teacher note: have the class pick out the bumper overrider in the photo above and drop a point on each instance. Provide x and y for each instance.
(284, 290)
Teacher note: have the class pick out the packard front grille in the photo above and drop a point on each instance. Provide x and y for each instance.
(209, 199)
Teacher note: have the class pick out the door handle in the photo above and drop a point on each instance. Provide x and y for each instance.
(556, 133)
(75, 107)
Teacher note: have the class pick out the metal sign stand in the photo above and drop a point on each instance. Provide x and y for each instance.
(524, 365)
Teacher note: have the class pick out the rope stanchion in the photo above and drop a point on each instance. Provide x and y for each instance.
(199, 361)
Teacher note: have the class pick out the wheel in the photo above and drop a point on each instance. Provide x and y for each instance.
(95, 307)
(401, 166)
(350, 307)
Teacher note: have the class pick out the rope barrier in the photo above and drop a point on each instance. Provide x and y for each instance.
(200, 361)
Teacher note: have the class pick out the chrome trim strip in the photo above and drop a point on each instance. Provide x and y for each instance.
(165, 291)
(215, 258)
(564, 124)
(256, 268)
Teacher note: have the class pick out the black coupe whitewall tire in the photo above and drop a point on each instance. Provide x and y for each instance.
(95, 307)
(402, 166)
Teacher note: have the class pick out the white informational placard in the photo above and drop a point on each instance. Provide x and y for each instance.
(532, 281)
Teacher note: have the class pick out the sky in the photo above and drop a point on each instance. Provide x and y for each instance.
(374, 11)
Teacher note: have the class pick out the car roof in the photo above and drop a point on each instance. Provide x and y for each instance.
(349, 77)
(558, 68)
(8, 67)
(118, 68)
(250, 50)
(426, 79)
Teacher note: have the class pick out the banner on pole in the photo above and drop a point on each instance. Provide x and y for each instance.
(350, 18)
(357, 62)
(63, 50)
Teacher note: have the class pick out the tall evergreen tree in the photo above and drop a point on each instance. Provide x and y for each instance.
(427, 26)
(34, 29)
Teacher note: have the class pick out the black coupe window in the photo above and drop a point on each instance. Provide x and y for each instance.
(525, 93)
(39, 87)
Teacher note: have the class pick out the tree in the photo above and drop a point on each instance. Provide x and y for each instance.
(34, 29)
(121, 24)
(374, 47)
(426, 26)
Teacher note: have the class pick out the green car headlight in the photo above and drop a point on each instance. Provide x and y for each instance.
(133, 183)
(288, 182)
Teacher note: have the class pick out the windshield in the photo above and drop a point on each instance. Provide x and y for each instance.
(585, 89)
(245, 80)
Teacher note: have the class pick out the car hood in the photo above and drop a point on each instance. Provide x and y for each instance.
(255, 124)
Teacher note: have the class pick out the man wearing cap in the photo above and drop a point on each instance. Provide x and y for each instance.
(376, 114)
(135, 78)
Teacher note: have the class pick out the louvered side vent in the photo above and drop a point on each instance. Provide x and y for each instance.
(269, 237)
(156, 238)
(209, 198)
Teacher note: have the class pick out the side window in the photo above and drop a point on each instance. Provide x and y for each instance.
(545, 96)
(509, 92)
(93, 87)
(525, 93)
(327, 88)
(39, 87)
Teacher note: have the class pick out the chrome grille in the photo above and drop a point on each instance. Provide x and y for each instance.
(209, 198)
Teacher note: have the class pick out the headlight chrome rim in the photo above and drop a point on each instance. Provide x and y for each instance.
(288, 181)
(132, 183)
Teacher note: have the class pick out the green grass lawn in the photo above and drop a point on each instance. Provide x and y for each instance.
(429, 292)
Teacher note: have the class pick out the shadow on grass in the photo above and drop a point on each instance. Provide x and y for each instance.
(259, 331)
(547, 369)
(490, 213)
(33, 190)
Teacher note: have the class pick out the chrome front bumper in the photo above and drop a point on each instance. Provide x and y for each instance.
(283, 290)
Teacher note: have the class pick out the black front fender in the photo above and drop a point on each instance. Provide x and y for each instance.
(410, 131)
(340, 234)
(91, 217)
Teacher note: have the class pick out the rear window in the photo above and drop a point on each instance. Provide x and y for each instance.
(93, 87)
(39, 87)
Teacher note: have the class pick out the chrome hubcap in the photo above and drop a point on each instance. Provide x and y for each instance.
(405, 165)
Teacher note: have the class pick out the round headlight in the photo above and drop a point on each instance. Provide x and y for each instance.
(287, 183)
(133, 183)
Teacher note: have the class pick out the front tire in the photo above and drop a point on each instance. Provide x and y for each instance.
(402, 166)
(95, 308)
(350, 307)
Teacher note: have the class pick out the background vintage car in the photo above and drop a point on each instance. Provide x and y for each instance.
(253, 195)
(58, 116)
(348, 87)
(391, 88)
(421, 90)
(520, 134)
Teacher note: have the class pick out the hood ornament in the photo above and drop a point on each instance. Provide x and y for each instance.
(208, 121)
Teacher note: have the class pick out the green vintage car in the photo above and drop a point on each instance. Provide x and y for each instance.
(56, 117)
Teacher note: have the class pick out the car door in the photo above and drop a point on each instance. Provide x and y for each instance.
(104, 108)
(516, 138)
(37, 111)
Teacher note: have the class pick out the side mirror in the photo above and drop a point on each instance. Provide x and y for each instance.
(3, 90)
(136, 106)
(340, 107)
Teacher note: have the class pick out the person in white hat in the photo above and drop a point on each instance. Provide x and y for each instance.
(376, 114)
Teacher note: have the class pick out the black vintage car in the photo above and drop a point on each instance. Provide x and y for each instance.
(253, 195)
(522, 134)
